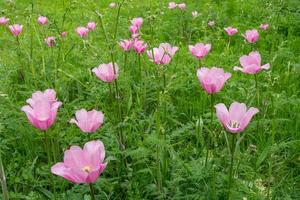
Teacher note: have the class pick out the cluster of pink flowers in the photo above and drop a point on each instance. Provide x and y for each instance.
(136, 24)
(173, 5)
(85, 165)
(163, 54)
(83, 31)
(80, 165)
(135, 43)
(251, 36)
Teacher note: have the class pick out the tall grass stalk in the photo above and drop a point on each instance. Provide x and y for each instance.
(3, 181)
(232, 151)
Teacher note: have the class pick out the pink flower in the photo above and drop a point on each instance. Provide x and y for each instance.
(230, 31)
(105, 72)
(82, 31)
(172, 5)
(42, 109)
(88, 121)
(251, 35)
(64, 34)
(212, 80)
(50, 41)
(181, 6)
(82, 165)
(169, 49)
(163, 54)
(251, 64)
(211, 23)
(195, 14)
(139, 46)
(91, 26)
(200, 50)
(264, 26)
(133, 29)
(237, 118)
(42, 20)
(16, 29)
(126, 45)
(3, 20)
(137, 22)
(112, 5)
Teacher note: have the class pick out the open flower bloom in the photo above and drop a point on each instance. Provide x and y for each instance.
(112, 5)
(172, 5)
(200, 50)
(181, 6)
(251, 64)
(139, 46)
(137, 22)
(3, 20)
(195, 14)
(264, 26)
(212, 80)
(91, 26)
(82, 165)
(16, 29)
(42, 20)
(64, 34)
(82, 31)
(163, 54)
(230, 31)
(133, 29)
(42, 109)
(105, 72)
(126, 45)
(251, 36)
(211, 23)
(88, 121)
(237, 118)
(50, 41)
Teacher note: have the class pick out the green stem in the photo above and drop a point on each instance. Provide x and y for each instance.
(211, 128)
(257, 89)
(228, 45)
(125, 61)
(231, 164)
(92, 191)
(257, 100)
(117, 20)
(140, 68)
(3, 181)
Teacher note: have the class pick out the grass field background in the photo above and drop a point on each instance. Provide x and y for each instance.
(267, 160)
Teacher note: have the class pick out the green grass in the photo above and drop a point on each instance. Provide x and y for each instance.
(174, 123)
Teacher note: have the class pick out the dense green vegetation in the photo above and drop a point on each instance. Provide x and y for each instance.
(166, 124)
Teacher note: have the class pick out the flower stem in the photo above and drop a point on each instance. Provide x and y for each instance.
(140, 68)
(92, 191)
(125, 61)
(257, 89)
(257, 100)
(211, 127)
(117, 20)
(232, 150)
(3, 181)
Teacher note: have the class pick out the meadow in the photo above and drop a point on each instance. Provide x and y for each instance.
(159, 129)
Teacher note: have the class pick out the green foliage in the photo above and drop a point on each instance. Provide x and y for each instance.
(166, 129)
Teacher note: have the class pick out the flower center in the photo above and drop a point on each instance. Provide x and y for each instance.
(234, 124)
(87, 169)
